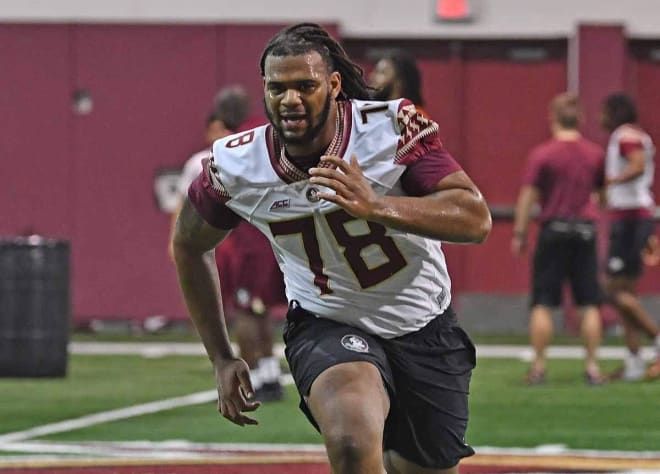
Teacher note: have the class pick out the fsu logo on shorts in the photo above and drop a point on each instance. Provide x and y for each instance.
(354, 343)
(312, 195)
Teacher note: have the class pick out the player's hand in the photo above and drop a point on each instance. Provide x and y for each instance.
(651, 251)
(518, 245)
(235, 392)
(352, 190)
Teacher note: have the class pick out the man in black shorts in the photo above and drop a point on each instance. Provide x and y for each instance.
(561, 175)
(354, 195)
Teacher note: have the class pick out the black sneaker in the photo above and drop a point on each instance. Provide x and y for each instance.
(269, 392)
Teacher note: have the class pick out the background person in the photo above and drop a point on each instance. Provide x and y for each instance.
(561, 175)
(353, 208)
(397, 75)
(250, 296)
(629, 176)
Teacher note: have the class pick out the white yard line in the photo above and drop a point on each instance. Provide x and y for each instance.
(114, 415)
(185, 450)
(106, 416)
(16, 441)
(496, 351)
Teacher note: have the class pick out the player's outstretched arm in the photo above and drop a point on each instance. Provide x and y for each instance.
(455, 212)
(193, 244)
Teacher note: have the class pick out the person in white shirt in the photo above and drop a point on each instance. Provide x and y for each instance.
(629, 169)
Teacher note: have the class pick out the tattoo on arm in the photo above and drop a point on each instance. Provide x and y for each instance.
(193, 231)
(189, 222)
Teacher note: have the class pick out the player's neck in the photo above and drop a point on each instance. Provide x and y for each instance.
(566, 134)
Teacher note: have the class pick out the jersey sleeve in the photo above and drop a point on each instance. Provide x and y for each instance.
(209, 198)
(533, 174)
(421, 150)
(422, 176)
(418, 134)
(630, 140)
(629, 145)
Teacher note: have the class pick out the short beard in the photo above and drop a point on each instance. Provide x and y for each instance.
(384, 93)
(311, 132)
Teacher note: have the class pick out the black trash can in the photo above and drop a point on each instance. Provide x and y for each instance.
(34, 307)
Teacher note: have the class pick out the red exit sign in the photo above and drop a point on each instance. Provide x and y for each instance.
(453, 10)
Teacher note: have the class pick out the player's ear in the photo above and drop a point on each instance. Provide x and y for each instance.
(335, 84)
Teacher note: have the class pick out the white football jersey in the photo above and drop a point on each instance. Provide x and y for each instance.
(385, 281)
(636, 193)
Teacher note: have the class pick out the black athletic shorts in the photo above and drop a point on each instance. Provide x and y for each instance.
(566, 250)
(426, 373)
(627, 239)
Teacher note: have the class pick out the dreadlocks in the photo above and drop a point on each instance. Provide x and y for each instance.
(305, 37)
(619, 109)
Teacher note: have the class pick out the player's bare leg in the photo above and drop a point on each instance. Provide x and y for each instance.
(624, 297)
(635, 318)
(540, 335)
(591, 331)
(350, 405)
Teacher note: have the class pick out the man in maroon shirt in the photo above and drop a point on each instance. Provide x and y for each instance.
(561, 176)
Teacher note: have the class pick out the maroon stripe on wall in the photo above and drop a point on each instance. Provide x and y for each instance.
(645, 79)
(152, 86)
(602, 69)
(35, 171)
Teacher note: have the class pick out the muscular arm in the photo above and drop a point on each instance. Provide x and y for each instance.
(455, 212)
(635, 167)
(193, 244)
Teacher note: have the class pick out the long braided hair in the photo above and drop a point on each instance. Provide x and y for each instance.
(302, 38)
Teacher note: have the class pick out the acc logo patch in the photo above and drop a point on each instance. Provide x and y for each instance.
(354, 343)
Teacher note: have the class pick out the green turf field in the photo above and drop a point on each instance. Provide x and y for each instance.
(504, 412)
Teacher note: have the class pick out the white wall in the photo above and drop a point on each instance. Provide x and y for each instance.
(358, 18)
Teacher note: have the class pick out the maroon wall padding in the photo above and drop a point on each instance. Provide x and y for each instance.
(151, 86)
(644, 80)
(505, 115)
(89, 178)
(35, 175)
(602, 69)
(241, 47)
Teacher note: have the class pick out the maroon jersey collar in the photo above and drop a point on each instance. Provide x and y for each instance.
(286, 169)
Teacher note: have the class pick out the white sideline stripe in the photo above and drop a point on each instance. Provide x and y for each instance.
(498, 351)
(112, 415)
(507, 351)
(545, 450)
(526, 353)
(118, 414)
(186, 450)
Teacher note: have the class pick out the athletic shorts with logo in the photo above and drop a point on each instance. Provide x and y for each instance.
(426, 373)
(627, 239)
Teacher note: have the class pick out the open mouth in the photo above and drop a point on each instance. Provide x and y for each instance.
(293, 120)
